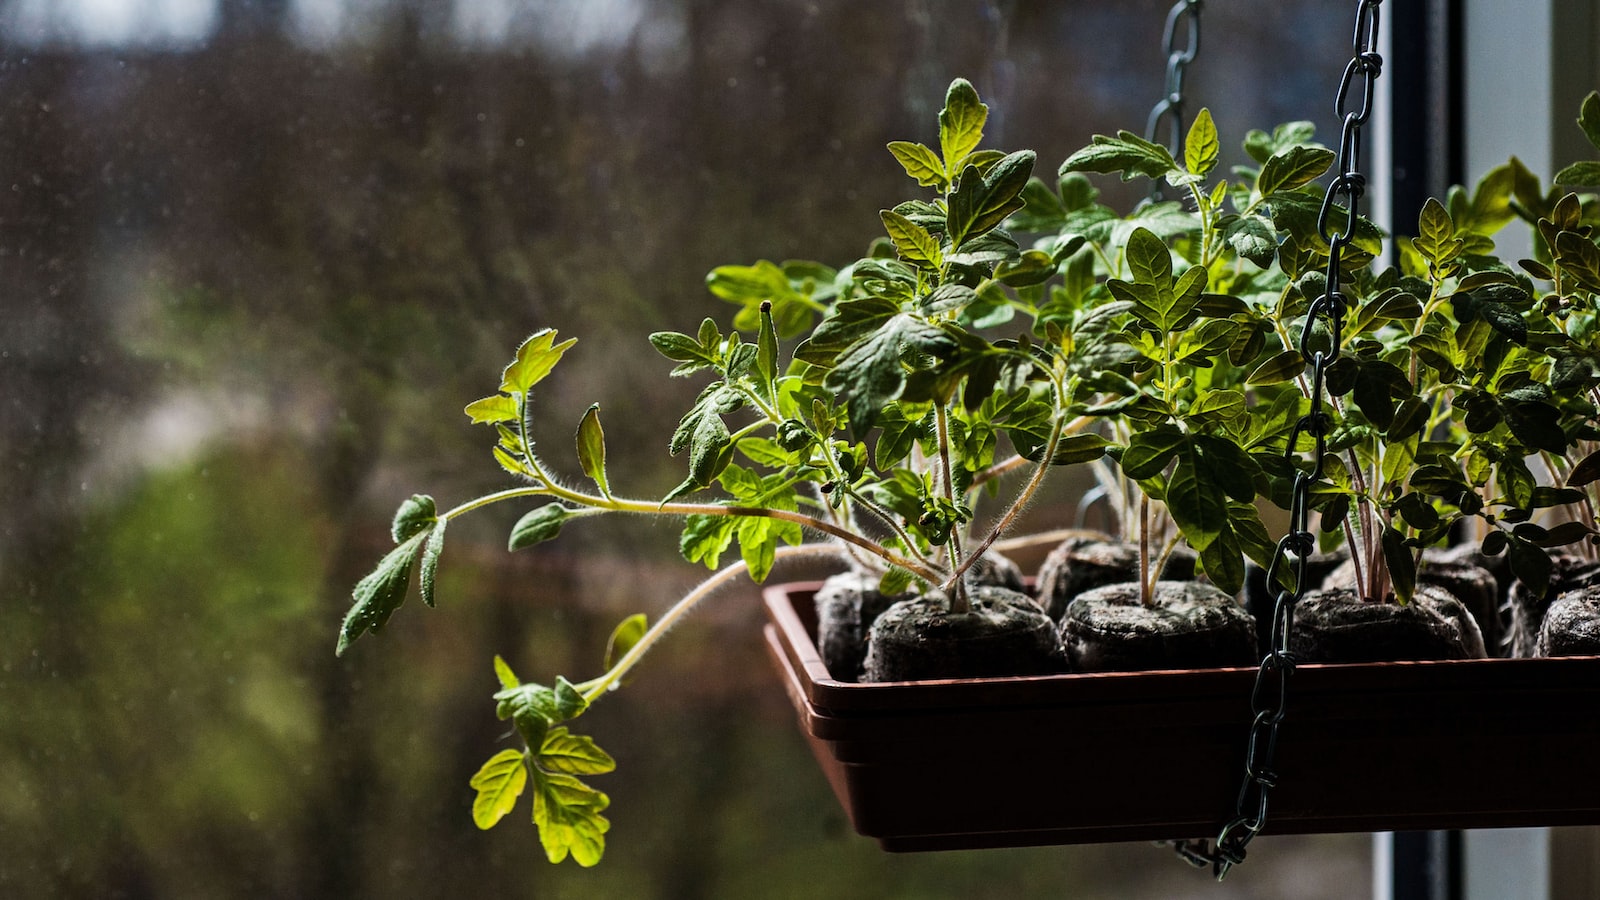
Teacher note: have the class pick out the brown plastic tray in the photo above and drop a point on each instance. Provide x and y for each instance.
(1067, 759)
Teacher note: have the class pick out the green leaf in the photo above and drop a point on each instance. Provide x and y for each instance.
(430, 561)
(960, 124)
(705, 538)
(1589, 118)
(920, 163)
(1253, 238)
(573, 754)
(1531, 565)
(1292, 168)
(1197, 504)
(767, 351)
(535, 358)
(1586, 471)
(592, 448)
(1262, 146)
(491, 410)
(529, 704)
(1401, 563)
(1223, 560)
(538, 526)
(869, 374)
(704, 434)
(1070, 449)
(1216, 408)
(567, 813)
(502, 672)
(415, 515)
(1579, 174)
(624, 636)
(1282, 367)
(1149, 452)
(982, 200)
(499, 783)
(380, 593)
(914, 243)
(1201, 149)
(1126, 153)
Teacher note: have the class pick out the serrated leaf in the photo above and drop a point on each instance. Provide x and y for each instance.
(913, 242)
(1292, 168)
(430, 561)
(492, 410)
(920, 163)
(960, 124)
(567, 813)
(573, 754)
(869, 374)
(380, 593)
(499, 782)
(705, 538)
(1201, 149)
(540, 525)
(535, 358)
(982, 200)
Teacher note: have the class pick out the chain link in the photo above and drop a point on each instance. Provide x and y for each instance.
(1184, 18)
(1269, 699)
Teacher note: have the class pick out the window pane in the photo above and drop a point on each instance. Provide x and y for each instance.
(257, 255)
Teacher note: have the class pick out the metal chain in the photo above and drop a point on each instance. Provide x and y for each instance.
(1185, 14)
(1269, 699)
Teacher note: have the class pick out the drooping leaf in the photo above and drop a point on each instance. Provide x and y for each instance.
(1197, 504)
(537, 526)
(1281, 367)
(705, 538)
(1586, 471)
(568, 815)
(499, 782)
(380, 593)
(1531, 565)
(1402, 564)
(416, 514)
(430, 561)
